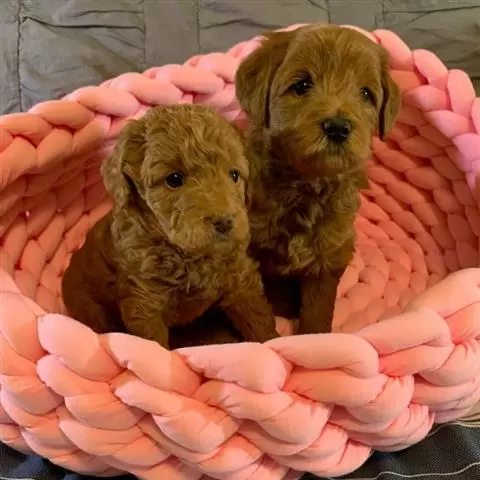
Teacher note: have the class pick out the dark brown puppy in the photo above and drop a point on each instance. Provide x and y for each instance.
(314, 97)
(175, 243)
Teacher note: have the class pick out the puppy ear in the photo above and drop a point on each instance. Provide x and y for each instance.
(118, 169)
(390, 104)
(255, 75)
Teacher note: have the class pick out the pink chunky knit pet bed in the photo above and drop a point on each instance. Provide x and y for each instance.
(406, 349)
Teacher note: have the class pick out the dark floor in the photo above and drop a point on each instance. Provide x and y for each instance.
(450, 451)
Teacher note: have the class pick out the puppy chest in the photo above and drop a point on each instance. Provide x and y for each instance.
(305, 230)
(294, 245)
(203, 284)
(194, 298)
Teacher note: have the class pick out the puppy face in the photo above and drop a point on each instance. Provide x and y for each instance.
(183, 167)
(319, 93)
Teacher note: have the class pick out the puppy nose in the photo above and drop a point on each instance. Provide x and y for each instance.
(222, 224)
(337, 129)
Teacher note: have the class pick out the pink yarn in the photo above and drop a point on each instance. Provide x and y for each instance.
(406, 349)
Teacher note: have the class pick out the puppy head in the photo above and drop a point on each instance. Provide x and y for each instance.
(319, 93)
(182, 170)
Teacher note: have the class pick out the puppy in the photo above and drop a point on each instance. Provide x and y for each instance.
(314, 97)
(175, 243)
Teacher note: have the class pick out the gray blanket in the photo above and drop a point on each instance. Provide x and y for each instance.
(51, 47)
(450, 452)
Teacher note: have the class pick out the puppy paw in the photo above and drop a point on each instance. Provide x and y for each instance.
(284, 326)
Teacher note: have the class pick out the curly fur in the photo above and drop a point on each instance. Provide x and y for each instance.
(156, 261)
(306, 187)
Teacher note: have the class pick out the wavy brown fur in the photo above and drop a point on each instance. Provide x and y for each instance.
(156, 261)
(306, 187)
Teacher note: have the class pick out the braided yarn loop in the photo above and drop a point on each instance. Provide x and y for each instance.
(405, 349)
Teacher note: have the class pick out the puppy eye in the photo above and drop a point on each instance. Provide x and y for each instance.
(367, 95)
(235, 174)
(301, 87)
(175, 180)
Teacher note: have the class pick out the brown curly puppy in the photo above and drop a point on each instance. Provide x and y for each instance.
(175, 243)
(314, 97)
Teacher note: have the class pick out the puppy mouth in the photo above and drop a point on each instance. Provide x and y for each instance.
(223, 236)
(332, 146)
(325, 159)
(326, 149)
(228, 239)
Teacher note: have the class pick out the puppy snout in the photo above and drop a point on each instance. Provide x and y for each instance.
(337, 129)
(222, 225)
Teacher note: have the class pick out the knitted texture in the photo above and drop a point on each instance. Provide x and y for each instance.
(405, 351)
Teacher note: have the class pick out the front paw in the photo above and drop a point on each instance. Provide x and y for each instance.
(160, 336)
(268, 334)
(319, 321)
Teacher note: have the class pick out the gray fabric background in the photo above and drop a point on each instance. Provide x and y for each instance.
(51, 47)
(450, 452)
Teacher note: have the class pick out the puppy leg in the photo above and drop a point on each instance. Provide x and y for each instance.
(149, 311)
(87, 311)
(252, 316)
(318, 296)
(283, 293)
(212, 328)
(144, 317)
(249, 311)
(79, 298)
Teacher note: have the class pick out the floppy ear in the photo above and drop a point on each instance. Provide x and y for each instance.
(255, 75)
(118, 169)
(390, 104)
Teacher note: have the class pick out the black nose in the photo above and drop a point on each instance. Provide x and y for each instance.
(222, 224)
(337, 129)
